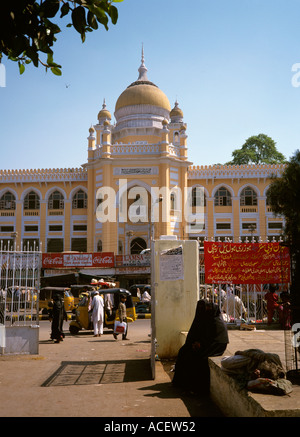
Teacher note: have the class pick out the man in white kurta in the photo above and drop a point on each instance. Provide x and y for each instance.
(98, 314)
(233, 306)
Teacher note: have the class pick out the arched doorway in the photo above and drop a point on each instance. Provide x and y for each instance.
(137, 245)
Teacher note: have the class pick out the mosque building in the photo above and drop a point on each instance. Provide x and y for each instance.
(137, 184)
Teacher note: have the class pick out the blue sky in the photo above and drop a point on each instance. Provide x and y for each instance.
(228, 63)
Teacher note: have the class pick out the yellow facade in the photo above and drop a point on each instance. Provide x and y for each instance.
(141, 160)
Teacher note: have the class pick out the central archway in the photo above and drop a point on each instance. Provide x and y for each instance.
(137, 245)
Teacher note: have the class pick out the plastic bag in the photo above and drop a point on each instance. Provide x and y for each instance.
(119, 327)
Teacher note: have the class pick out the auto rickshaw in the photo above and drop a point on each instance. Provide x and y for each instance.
(46, 298)
(142, 287)
(77, 290)
(111, 298)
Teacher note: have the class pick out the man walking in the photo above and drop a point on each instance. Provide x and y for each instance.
(97, 314)
(123, 316)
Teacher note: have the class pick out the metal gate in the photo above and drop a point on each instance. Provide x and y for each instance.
(19, 286)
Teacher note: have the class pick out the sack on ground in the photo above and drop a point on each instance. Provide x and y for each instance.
(119, 327)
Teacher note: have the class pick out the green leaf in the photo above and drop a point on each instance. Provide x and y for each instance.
(32, 54)
(91, 19)
(78, 19)
(56, 71)
(49, 8)
(113, 12)
(64, 9)
(21, 68)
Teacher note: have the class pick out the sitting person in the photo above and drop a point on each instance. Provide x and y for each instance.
(207, 337)
(233, 306)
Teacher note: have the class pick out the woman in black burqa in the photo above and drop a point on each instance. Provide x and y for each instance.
(57, 316)
(207, 337)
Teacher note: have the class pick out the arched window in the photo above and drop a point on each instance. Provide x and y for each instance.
(32, 201)
(198, 197)
(99, 246)
(79, 200)
(173, 201)
(137, 245)
(176, 138)
(222, 197)
(248, 197)
(120, 248)
(56, 200)
(8, 201)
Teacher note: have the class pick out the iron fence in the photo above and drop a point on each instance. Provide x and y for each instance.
(19, 286)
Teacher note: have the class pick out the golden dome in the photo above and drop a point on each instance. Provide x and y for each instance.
(104, 113)
(143, 92)
(176, 111)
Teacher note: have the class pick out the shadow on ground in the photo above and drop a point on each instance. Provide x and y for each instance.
(99, 372)
(197, 406)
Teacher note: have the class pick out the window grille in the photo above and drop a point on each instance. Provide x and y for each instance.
(32, 201)
(79, 200)
(248, 197)
(8, 201)
(198, 197)
(56, 201)
(222, 197)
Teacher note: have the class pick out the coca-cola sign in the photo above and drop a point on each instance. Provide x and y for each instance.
(67, 260)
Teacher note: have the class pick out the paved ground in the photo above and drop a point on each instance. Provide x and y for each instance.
(86, 376)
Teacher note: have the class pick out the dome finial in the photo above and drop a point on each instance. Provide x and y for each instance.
(143, 69)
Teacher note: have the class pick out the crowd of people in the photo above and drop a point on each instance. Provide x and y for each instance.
(97, 306)
(270, 305)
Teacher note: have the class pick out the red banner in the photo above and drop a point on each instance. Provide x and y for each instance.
(71, 260)
(246, 263)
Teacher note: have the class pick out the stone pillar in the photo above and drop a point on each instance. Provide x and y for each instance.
(262, 225)
(43, 224)
(210, 217)
(236, 218)
(67, 225)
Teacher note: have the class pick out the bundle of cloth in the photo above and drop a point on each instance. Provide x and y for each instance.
(258, 371)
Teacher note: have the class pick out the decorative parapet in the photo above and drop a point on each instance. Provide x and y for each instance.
(43, 175)
(137, 148)
(235, 171)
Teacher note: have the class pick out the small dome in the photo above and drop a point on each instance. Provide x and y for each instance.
(176, 114)
(104, 114)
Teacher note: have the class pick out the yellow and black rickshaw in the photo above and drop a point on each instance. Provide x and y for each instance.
(77, 291)
(111, 297)
(46, 298)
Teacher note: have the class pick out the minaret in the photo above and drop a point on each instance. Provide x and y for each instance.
(143, 69)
